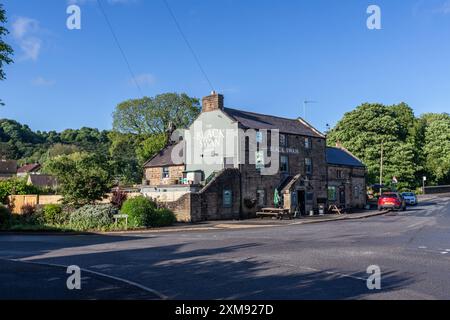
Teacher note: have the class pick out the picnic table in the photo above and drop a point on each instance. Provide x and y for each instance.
(278, 213)
(336, 209)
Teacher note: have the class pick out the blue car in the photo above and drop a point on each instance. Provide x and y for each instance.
(410, 198)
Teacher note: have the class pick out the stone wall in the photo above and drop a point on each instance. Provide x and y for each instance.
(208, 204)
(154, 175)
(252, 180)
(213, 206)
(350, 179)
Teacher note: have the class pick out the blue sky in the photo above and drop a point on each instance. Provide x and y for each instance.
(264, 55)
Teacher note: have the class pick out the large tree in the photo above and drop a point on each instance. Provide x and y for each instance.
(437, 147)
(158, 115)
(370, 128)
(5, 50)
(142, 127)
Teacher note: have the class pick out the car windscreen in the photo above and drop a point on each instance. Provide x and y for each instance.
(408, 194)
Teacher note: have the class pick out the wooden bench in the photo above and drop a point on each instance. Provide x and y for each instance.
(278, 213)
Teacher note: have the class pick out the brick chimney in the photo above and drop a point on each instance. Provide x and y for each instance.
(212, 102)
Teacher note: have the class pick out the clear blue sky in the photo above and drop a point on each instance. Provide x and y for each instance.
(263, 55)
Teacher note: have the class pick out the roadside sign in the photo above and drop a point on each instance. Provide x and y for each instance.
(424, 178)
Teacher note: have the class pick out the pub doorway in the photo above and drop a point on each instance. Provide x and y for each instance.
(301, 196)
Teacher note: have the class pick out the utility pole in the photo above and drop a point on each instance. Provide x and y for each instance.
(381, 167)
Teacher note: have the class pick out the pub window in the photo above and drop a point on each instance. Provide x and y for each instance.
(332, 193)
(308, 165)
(259, 160)
(165, 172)
(284, 164)
(309, 196)
(339, 174)
(259, 137)
(308, 143)
(283, 140)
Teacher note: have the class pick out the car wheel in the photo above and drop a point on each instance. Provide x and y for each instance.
(380, 208)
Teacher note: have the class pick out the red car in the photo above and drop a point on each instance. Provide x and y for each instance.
(391, 200)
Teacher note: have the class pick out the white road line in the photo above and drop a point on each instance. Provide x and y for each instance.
(131, 283)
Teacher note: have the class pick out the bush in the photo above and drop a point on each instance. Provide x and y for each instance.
(5, 216)
(54, 214)
(164, 218)
(140, 211)
(15, 186)
(92, 217)
(28, 210)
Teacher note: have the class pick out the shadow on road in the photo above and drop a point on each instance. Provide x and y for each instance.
(223, 273)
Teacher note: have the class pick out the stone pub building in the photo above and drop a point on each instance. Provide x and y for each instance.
(229, 162)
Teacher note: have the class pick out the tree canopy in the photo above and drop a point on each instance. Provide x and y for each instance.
(83, 178)
(149, 116)
(412, 146)
(6, 51)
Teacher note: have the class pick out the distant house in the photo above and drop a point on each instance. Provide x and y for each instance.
(44, 181)
(8, 169)
(161, 170)
(28, 169)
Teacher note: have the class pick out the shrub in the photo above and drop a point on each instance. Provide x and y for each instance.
(55, 215)
(5, 216)
(28, 210)
(164, 218)
(92, 217)
(118, 198)
(15, 186)
(140, 211)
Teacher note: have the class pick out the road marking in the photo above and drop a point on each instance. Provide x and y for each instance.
(444, 252)
(131, 283)
(422, 247)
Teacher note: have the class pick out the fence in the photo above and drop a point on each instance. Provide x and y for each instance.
(18, 201)
(437, 190)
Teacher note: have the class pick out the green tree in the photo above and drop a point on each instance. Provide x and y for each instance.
(124, 162)
(366, 129)
(150, 146)
(437, 147)
(5, 50)
(82, 178)
(158, 115)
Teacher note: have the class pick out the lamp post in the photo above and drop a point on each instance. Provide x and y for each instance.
(424, 179)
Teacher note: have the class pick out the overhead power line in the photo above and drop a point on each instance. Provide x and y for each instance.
(119, 46)
(197, 60)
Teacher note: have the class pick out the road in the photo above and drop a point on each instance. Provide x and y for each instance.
(314, 261)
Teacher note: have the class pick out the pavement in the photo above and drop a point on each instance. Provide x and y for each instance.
(283, 260)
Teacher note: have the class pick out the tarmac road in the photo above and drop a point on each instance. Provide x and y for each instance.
(312, 261)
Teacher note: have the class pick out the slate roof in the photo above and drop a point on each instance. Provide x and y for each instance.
(338, 156)
(251, 120)
(163, 158)
(29, 168)
(42, 180)
(8, 166)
